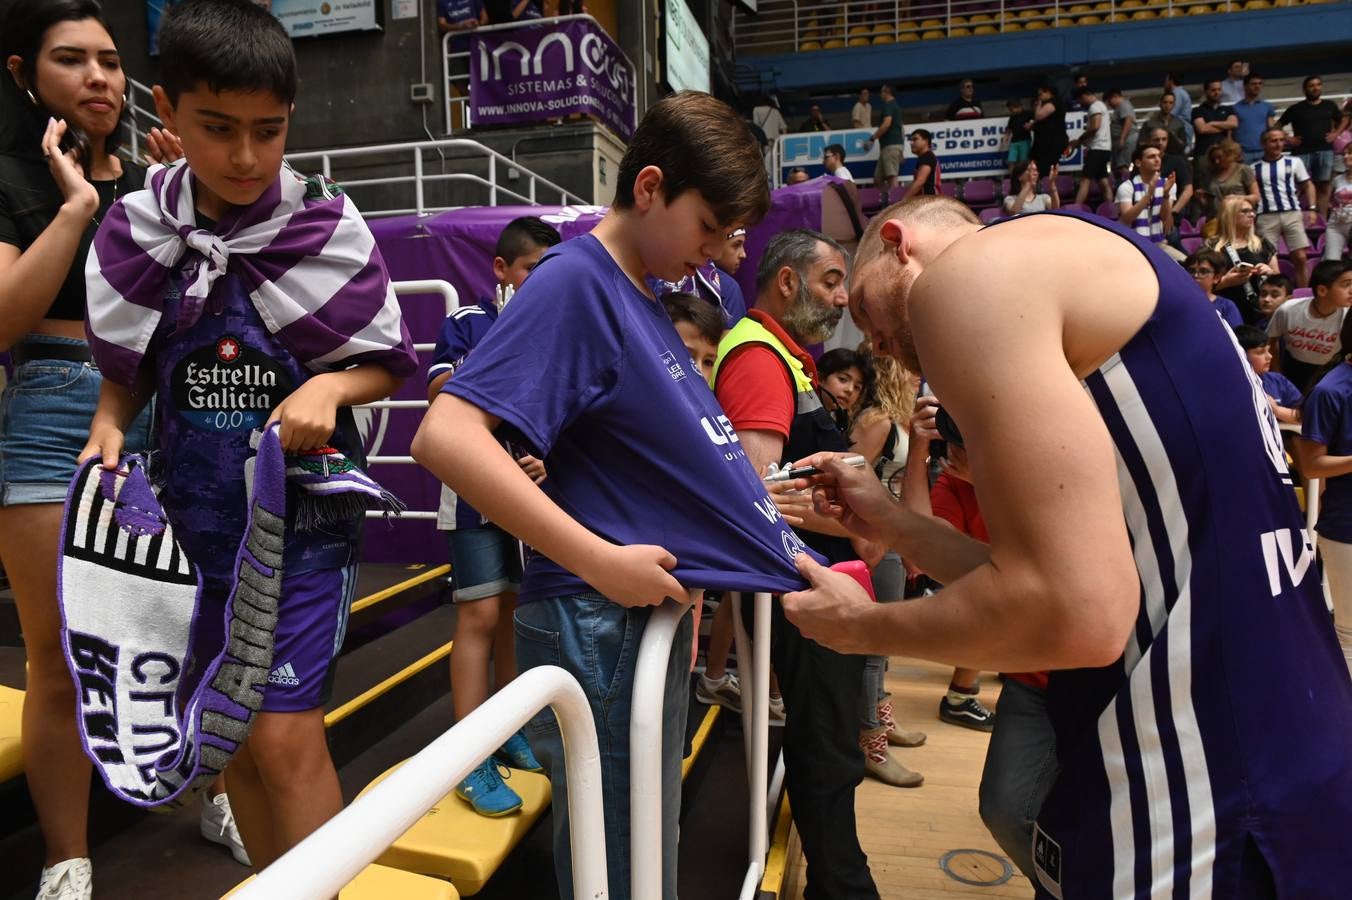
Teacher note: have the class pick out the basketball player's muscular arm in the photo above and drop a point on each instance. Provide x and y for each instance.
(1060, 588)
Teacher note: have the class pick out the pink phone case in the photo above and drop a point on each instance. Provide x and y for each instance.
(857, 570)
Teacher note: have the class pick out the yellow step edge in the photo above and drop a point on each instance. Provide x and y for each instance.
(372, 693)
(11, 727)
(376, 882)
(382, 595)
(700, 739)
(777, 861)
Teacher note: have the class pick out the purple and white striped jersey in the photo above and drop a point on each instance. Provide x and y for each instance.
(1279, 182)
(1215, 757)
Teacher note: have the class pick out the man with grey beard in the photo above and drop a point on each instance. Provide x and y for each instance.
(767, 385)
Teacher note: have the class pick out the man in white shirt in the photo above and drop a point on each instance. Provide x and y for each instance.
(833, 157)
(862, 114)
(1232, 88)
(1097, 141)
(1124, 127)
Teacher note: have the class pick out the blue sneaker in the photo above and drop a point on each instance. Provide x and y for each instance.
(517, 754)
(485, 790)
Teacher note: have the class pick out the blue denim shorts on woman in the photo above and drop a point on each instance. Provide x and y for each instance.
(44, 424)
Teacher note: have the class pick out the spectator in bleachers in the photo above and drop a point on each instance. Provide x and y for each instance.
(925, 181)
(1251, 257)
(1145, 201)
(1284, 398)
(1232, 87)
(1071, 102)
(1165, 118)
(1097, 141)
(1286, 198)
(1340, 209)
(1324, 449)
(1304, 333)
(1124, 128)
(525, 10)
(701, 327)
(1018, 137)
(815, 121)
(1212, 122)
(1206, 267)
(861, 116)
(833, 158)
(798, 175)
(460, 17)
(1272, 293)
(1314, 121)
(1025, 197)
(1182, 107)
(965, 106)
(1255, 116)
(1342, 139)
(1171, 164)
(485, 559)
(1229, 176)
(1048, 128)
(890, 136)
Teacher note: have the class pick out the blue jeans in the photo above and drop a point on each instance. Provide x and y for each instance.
(597, 642)
(1021, 768)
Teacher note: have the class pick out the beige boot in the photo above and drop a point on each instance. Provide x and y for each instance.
(879, 763)
(895, 735)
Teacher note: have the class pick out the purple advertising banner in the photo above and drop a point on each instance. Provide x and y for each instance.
(540, 72)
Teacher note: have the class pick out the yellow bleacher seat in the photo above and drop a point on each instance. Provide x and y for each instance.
(1013, 26)
(931, 23)
(1173, 12)
(1141, 14)
(932, 35)
(1103, 6)
(859, 42)
(1131, 4)
(958, 20)
(985, 29)
(1115, 17)
(1031, 13)
(1200, 9)
(1258, 4)
(1300, 497)
(833, 44)
(857, 30)
(1062, 22)
(960, 32)
(1079, 9)
(979, 19)
(11, 726)
(384, 883)
(907, 37)
(1089, 20)
(452, 841)
(809, 45)
(886, 38)
(1035, 25)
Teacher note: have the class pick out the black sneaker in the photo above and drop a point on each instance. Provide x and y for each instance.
(968, 714)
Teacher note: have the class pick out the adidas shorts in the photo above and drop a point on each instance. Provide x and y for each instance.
(310, 630)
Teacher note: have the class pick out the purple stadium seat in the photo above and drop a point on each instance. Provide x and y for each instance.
(1191, 243)
(949, 189)
(1065, 185)
(870, 199)
(1287, 268)
(979, 193)
(990, 214)
(1186, 228)
(1077, 207)
(1302, 293)
(1108, 210)
(1004, 187)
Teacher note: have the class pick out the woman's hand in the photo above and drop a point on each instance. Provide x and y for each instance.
(68, 172)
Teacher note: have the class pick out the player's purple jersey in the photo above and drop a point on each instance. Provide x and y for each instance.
(589, 373)
(1215, 757)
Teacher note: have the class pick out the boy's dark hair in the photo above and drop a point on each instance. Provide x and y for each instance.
(1219, 264)
(1308, 78)
(23, 121)
(1280, 281)
(227, 45)
(837, 149)
(1326, 273)
(1252, 76)
(707, 318)
(924, 133)
(1111, 93)
(524, 235)
(699, 144)
(1250, 338)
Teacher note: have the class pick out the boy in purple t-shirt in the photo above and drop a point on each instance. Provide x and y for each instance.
(485, 560)
(649, 492)
(1283, 397)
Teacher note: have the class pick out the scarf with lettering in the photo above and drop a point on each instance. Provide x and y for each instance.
(307, 259)
(130, 599)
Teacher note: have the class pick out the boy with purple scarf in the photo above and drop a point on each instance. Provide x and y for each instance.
(242, 294)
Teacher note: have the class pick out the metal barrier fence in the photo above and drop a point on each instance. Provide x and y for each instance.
(333, 855)
(787, 26)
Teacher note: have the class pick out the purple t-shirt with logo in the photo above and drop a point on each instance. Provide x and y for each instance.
(1327, 419)
(216, 381)
(588, 371)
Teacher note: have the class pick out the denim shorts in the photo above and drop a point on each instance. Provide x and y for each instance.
(45, 412)
(1319, 164)
(485, 562)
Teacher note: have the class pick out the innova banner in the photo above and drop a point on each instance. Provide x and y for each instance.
(966, 149)
(540, 72)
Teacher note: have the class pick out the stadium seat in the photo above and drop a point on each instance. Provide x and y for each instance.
(1107, 210)
(932, 35)
(957, 20)
(990, 215)
(931, 23)
(1065, 185)
(383, 882)
(1089, 20)
(1142, 14)
(1013, 26)
(859, 42)
(1035, 25)
(1287, 268)
(980, 19)
(959, 32)
(888, 39)
(809, 45)
(1191, 244)
(454, 842)
(1077, 207)
(949, 189)
(1200, 9)
(860, 30)
(833, 44)
(1131, 4)
(979, 193)
(11, 726)
(1079, 9)
(1257, 4)
(908, 37)
(985, 29)
(1102, 7)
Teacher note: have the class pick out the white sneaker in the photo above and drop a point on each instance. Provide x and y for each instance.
(776, 711)
(70, 879)
(218, 826)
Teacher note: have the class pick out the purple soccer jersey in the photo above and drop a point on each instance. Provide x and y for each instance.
(1217, 752)
(461, 332)
(589, 373)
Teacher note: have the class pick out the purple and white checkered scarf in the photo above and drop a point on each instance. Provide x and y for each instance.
(308, 261)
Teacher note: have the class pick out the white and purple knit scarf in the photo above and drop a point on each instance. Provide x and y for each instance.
(130, 600)
(308, 261)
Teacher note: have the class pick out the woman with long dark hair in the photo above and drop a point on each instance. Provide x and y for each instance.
(63, 105)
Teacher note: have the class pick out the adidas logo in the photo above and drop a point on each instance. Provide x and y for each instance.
(284, 674)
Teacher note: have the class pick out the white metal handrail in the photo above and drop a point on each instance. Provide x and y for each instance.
(462, 80)
(784, 26)
(756, 732)
(333, 855)
(645, 748)
(451, 300)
